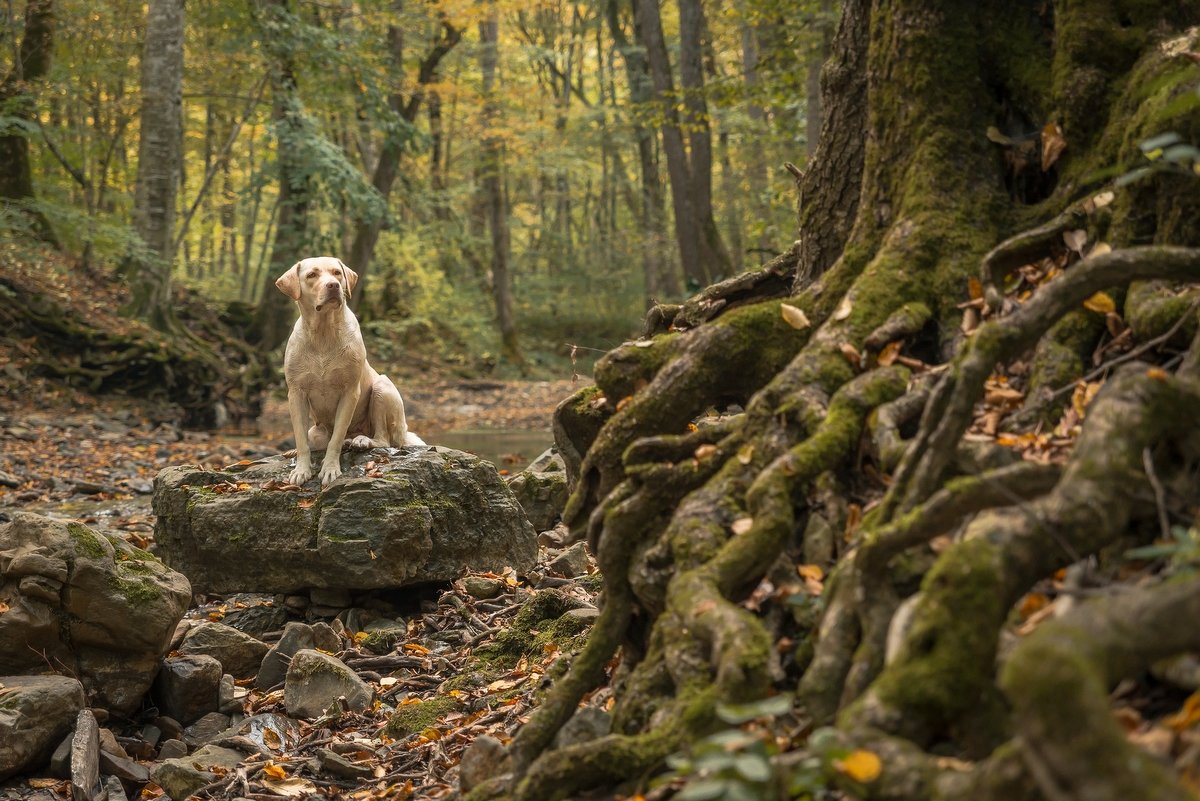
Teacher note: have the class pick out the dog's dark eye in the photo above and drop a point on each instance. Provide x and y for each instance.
(312, 275)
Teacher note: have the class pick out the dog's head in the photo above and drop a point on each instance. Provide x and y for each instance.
(318, 283)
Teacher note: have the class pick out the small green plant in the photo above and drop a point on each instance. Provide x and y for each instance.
(1181, 551)
(1166, 153)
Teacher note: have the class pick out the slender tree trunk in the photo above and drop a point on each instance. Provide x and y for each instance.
(756, 164)
(692, 32)
(687, 233)
(495, 202)
(160, 164)
(366, 232)
(274, 314)
(16, 95)
(661, 280)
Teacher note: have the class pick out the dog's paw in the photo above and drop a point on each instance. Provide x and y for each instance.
(329, 472)
(300, 474)
(361, 443)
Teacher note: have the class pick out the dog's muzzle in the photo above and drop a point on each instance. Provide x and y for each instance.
(332, 297)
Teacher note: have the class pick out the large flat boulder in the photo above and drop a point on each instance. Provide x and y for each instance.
(88, 604)
(395, 517)
(36, 712)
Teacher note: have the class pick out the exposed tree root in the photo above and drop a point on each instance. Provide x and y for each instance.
(1059, 680)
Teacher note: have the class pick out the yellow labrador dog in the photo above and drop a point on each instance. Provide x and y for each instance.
(330, 385)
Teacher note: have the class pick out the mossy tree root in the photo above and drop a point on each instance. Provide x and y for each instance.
(949, 410)
(943, 670)
(1059, 679)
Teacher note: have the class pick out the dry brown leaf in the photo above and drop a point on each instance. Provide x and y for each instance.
(274, 771)
(1187, 716)
(889, 353)
(1003, 396)
(745, 454)
(852, 355)
(1103, 199)
(623, 402)
(742, 525)
(854, 514)
(1075, 240)
(1053, 144)
(705, 451)
(794, 316)
(974, 288)
(1157, 373)
(1099, 249)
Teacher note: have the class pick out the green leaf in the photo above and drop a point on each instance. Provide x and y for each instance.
(742, 713)
(1159, 142)
(753, 767)
(703, 790)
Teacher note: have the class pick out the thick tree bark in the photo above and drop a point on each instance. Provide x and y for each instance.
(493, 194)
(160, 164)
(17, 94)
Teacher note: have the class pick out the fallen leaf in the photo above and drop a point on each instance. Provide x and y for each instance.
(294, 787)
(861, 766)
(742, 525)
(811, 571)
(1157, 373)
(889, 353)
(853, 518)
(274, 771)
(1075, 240)
(1099, 249)
(1187, 716)
(1053, 144)
(974, 288)
(705, 451)
(414, 648)
(1100, 302)
(644, 343)
(844, 308)
(852, 355)
(1103, 199)
(745, 454)
(1031, 603)
(623, 402)
(794, 317)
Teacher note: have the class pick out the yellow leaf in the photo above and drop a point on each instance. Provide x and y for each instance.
(1157, 373)
(745, 454)
(1100, 302)
(415, 648)
(794, 317)
(889, 353)
(1053, 144)
(275, 771)
(843, 310)
(742, 525)
(1188, 715)
(861, 766)
(974, 288)
(623, 402)
(811, 571)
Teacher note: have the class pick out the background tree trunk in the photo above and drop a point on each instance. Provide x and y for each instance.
(17, 94)
(275, 315)
(494, 199)
(687, 231)
(160, 163)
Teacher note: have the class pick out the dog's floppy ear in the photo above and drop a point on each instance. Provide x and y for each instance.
(289, 282)
(351, 278)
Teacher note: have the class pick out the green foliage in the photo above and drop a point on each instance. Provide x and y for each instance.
(1166, 153)
(1181, 552)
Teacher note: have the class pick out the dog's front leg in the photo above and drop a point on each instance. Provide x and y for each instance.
(331, 467)
(298, 411)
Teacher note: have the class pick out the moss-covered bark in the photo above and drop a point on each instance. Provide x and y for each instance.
(687, 522)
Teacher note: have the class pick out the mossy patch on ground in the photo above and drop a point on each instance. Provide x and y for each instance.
(419, 716)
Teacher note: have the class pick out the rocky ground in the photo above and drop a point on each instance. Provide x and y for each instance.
(441, 667)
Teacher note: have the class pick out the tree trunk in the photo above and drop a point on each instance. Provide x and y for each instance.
(160, 163)
(812, 86)
(687, 231)
(692, 33)
(366, 232)
(697, 527)
(662, 281)
(274, 315)
(492, 185)
(16, 95)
